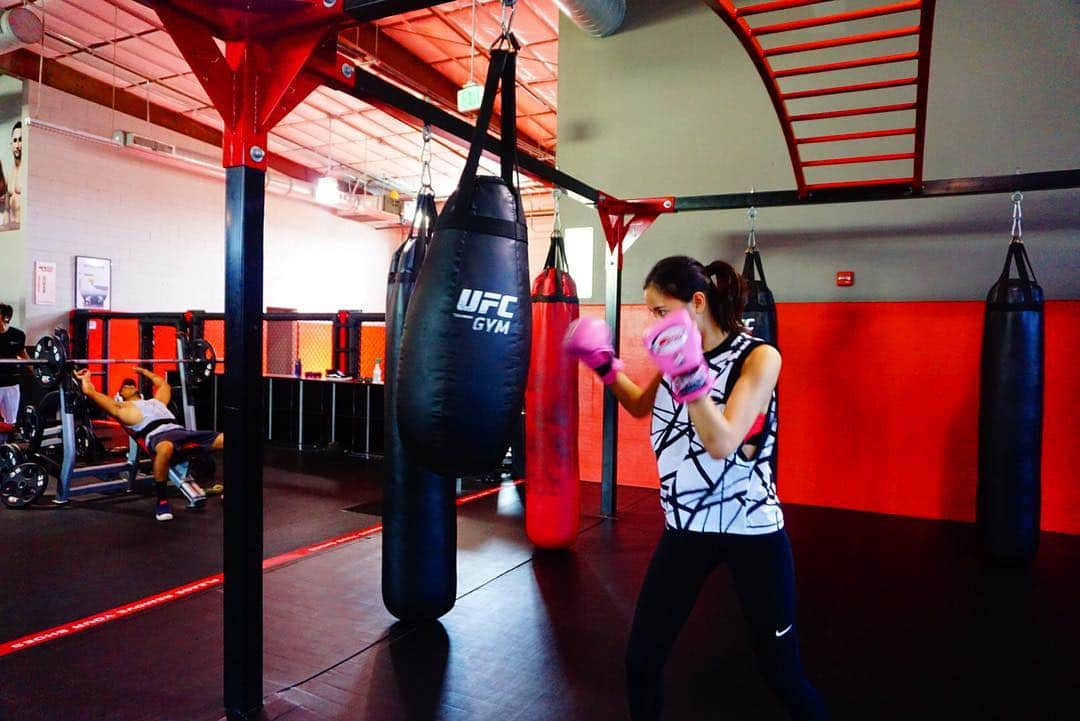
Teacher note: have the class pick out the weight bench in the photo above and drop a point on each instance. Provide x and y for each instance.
(178, 469)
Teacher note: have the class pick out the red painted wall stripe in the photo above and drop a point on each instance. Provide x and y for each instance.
(878, 408)
(203, 584)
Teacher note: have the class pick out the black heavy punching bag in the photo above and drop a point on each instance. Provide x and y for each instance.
(1010, 413)
(760, 314)
(465, 353)
(759, 317)
(419, 538)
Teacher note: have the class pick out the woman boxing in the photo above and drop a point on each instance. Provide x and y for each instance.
(713, 407)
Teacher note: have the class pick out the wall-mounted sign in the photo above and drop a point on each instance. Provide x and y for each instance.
(44, 283)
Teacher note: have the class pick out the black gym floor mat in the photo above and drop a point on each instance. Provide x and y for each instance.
(898, 620)
(62, 563)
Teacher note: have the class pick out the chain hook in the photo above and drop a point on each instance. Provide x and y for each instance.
(752, 213)
(506, 20)
(425, 161)
(557, 228)
(1017, 216)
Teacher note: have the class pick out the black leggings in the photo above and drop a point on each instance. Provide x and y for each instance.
(764, 576)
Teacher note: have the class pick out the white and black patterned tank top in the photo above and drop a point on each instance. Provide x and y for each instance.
(700, 493)
(157, 413)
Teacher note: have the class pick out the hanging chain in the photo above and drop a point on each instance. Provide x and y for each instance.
(1017, 231)
(557, 228)
(751, 240)
(425, 161)
(472, 46)
(506, 18)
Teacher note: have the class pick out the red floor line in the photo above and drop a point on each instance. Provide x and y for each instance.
(70, 628)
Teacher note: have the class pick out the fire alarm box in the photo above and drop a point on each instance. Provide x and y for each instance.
(845, 278)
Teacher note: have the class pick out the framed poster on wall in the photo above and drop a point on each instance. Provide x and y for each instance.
(93, 283)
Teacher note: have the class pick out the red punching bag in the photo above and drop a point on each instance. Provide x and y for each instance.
(552, 478)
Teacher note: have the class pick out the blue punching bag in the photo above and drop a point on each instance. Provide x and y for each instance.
(1008, 496)
(465, 352)
(419, 538)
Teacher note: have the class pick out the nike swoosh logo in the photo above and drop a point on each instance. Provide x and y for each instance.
(781, 633)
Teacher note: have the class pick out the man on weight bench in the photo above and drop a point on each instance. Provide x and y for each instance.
(153, 422)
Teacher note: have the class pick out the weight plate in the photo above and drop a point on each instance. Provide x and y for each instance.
(10, 456)
(202, 362)
(22, 485)
(84, 443)
(49, 350)
(28, 423)
(73, 395)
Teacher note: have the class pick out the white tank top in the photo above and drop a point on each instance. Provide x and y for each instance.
(715, 495)
(154, 410)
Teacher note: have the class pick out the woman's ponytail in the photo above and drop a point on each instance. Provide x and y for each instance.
(728, 298)
(681, 276)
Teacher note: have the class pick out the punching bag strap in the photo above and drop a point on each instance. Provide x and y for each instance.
(753, 262)
(556, 257)
(509, 116)
(496, 71)
(503, 67)
(1017, 256)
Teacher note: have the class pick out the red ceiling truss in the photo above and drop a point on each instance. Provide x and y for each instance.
(875, 123)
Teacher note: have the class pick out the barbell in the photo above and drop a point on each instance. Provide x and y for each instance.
(50, 360)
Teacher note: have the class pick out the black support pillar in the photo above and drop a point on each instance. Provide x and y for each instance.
(609, 471)
(243, 425)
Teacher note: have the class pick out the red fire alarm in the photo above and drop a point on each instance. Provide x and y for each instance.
(845, 278)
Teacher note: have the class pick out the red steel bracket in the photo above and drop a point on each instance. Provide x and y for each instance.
(624, 221)
(260, 77)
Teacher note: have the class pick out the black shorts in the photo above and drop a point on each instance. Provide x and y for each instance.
(181, 439)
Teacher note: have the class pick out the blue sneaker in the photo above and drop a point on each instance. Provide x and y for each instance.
(164, 511)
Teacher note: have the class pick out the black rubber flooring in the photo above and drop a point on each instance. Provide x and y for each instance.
(61, 563)
(898, 620)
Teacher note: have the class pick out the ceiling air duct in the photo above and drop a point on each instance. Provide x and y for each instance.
(18, 27)
(598, 18)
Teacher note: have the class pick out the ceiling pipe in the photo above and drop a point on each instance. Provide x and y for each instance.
(598, 18)
(18, 27)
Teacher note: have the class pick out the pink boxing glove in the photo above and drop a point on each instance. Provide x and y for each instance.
(589, 340)
(674, 343)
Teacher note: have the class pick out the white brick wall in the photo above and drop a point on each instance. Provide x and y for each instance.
(163, 227)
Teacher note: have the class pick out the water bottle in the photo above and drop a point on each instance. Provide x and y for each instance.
(297, 368)
(376, 374)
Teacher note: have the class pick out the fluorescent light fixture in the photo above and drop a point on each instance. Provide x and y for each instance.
(579, 255)
(326, 190)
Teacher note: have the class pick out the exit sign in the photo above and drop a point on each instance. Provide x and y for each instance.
(470, 98)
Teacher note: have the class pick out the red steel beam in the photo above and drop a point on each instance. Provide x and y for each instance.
(24, 64)
(857, 88)
(856, 136)
(859, 184)
(727, 12)
(926, 22)
(773, 6)
(858, 159)
(840, 42)
(883, 10)
(847, 64)
(853, 111)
